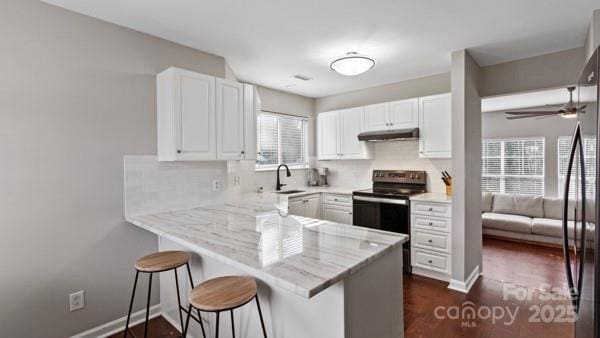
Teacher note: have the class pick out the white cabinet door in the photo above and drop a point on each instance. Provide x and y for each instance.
(252, 106)
(230, 119)
(337, 214)
(376, 117)
(313, 206)
(351, 121)
(185, 116)
(328, 136)
(296, 206)
(435, 118)
(404, 114)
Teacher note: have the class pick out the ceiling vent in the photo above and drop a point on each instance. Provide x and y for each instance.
(303, 77)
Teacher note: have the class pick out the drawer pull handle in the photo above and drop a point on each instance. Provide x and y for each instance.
(430, 261)
(430, 241)
(430, 223)
(335, 199)
(430, 209)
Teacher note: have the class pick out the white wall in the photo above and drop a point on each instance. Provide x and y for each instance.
(76, 95)
(593, 37)
(494, 125)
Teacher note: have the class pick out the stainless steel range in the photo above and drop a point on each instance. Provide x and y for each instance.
(386, 205)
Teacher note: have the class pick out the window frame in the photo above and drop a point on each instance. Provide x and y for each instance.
(502, 177)
(272, 167)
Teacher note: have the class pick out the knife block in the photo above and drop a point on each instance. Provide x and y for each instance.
(449, 190)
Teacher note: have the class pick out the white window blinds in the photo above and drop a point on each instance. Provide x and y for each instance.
(513, 166)
(281, 140)
(589, 147)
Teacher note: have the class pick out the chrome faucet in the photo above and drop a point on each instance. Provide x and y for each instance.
(288, 174)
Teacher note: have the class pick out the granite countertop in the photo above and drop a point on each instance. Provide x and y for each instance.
(432, 197)
(254, 233)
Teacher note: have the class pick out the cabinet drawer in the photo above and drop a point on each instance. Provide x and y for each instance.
(433, 209)
(343, 200)
(432, 223)
(431, 260)
(431, 240)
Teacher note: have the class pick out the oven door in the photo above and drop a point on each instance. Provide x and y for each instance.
(384, 214)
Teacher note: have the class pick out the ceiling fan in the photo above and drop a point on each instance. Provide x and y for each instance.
(568, 110)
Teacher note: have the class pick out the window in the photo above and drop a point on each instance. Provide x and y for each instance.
(589, 146)
(281, 140)
(513, 166)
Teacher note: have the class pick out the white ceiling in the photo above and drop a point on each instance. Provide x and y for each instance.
(268, 41)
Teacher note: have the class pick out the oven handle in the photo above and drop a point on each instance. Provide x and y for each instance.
(380, 200)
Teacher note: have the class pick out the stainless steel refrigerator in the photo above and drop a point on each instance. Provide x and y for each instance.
(581, 240)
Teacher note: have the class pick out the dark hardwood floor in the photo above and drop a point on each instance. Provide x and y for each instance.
(507, 265)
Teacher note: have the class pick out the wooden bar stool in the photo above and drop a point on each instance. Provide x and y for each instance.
(223, 294)
(160, 262)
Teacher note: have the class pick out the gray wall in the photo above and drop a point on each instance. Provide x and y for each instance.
(429, 85)
(76, 95)
(552, 70)
(494, 125)
(466, 167)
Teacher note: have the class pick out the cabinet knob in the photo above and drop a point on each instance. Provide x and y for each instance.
(430, 223)
(430, 261)
(430, 241)
(243, 152)
(179, 151)
(350, 213)
(430, 209)
(335, 199)
(391, 124)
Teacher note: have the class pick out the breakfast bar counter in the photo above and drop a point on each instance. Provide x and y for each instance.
(316, 278)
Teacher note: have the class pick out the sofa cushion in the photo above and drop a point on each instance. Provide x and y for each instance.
(506, 222)
(486, 201)
(553, 228)
(553, 209)
(532, 206)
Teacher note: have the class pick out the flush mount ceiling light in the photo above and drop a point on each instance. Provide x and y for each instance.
(352, 64)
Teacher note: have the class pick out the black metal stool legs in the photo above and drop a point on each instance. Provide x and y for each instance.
(131, 303)
(217, 332)
(178, 299)
(187, 322)
(262, 323)
(187, 265)
(148, 305)
(232, 327)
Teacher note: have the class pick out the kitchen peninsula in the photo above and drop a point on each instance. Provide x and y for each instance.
(316, 278)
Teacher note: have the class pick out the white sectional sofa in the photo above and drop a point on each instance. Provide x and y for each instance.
(528, 218)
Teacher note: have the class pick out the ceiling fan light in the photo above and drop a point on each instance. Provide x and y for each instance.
(352, 64)
(569, 116)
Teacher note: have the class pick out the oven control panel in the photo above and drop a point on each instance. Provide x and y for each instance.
(400, 176)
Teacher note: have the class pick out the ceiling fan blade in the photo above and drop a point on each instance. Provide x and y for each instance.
(532, 112)
(524, 116)
(582, 107)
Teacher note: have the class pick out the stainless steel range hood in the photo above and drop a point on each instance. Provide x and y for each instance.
(390, 135)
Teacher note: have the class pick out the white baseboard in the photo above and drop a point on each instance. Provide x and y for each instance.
(465, 286)
(118, 325)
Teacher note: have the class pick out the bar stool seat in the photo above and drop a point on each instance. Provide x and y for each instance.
(223, 293)
(158, 262)
(162, 261)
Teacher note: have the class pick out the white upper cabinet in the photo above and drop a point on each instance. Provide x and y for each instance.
(337, 135)
(376, 117)
(351, 124)
(328, 136)
(203, 118)
(404, 114)
(435, 130)
(230, 120)
(185, 116)
(392, 115)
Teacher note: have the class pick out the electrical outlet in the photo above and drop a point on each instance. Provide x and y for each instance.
(216, 185)
(236, 180)
(76, 301)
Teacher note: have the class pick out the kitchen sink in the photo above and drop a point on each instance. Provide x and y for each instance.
(287, 192)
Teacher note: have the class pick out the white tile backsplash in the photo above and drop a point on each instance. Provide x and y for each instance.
(152, 186)
(402, 155)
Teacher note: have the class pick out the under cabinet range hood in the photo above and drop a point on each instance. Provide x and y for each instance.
(390, 135)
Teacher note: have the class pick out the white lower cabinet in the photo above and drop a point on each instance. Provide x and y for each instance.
(305, 206)
(430, 238)
(337, 208)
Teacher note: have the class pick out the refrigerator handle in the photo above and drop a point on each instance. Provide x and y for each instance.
(565, 214)
(583, 220)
